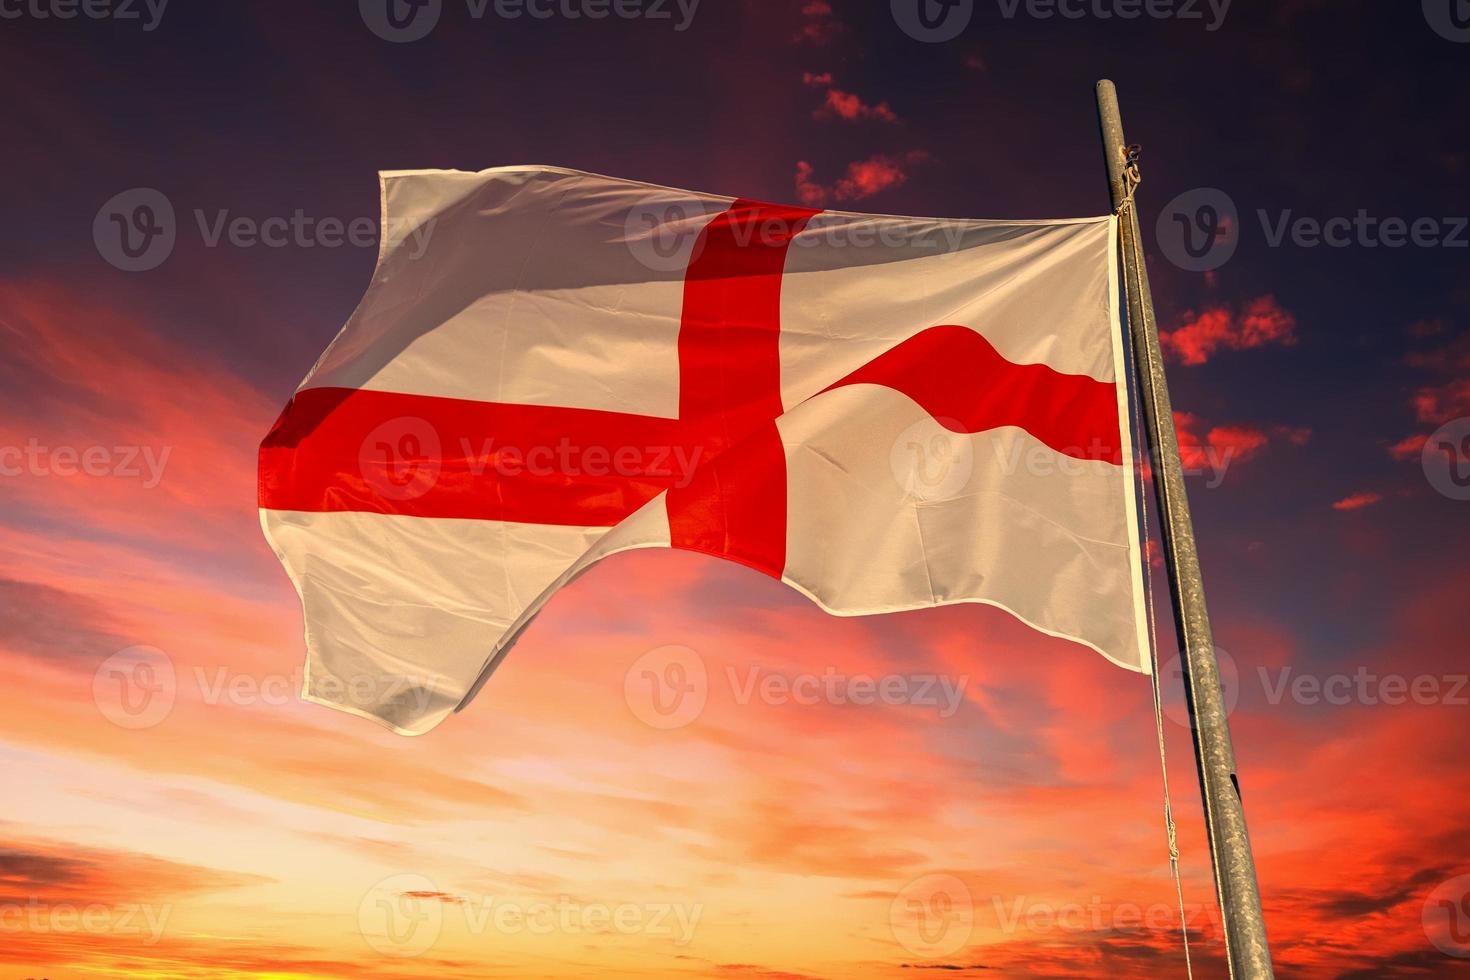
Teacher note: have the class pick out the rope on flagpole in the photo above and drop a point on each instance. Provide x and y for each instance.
(1132, 177)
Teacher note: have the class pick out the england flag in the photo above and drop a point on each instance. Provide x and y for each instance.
(550, 367)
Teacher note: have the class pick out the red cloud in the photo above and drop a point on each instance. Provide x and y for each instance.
(863, 178)
(1201, 448)
(808, 192)
(845, 105)
(1366, 498)
(820, 27)
(1408, 447)
(1262, 322)
(1438, 403)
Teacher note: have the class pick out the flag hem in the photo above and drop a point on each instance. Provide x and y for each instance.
(1130, 470)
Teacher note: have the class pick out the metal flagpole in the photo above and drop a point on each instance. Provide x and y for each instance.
(1230, 847)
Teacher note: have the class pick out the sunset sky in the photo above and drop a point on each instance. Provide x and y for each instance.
(173, 810)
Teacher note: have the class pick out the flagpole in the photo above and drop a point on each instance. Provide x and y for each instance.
(1230, 847)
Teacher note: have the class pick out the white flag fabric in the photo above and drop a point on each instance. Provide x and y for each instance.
(550, 367)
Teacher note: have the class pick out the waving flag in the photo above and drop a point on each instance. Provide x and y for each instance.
(550, 367)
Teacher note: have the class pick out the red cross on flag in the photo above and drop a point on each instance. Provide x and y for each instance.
(550, 367)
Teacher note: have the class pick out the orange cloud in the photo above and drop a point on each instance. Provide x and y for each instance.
(1262, 322)
(1357, 501)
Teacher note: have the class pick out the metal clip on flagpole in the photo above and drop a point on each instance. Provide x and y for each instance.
(1230, 850)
